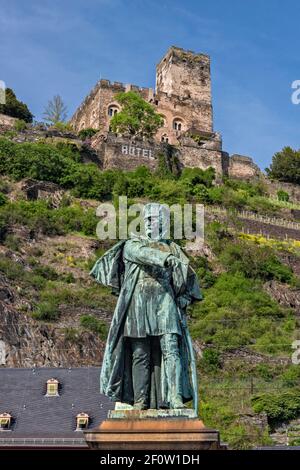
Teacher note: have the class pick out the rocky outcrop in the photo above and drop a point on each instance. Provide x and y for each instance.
(284, 295)
(25, 342)
(46, 190)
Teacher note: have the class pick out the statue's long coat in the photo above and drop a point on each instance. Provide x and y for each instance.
(116, 377)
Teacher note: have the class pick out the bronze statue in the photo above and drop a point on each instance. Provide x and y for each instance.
(148, 360)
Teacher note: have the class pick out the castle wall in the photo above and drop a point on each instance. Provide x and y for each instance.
(7, 121)
(242, 167)
(125, 154)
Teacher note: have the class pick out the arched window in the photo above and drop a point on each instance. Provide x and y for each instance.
(177, 125)
(164, 138)
(112, 110)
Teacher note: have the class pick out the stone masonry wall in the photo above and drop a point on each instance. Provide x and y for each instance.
(242, 167)
(7, 121)
(125, 154)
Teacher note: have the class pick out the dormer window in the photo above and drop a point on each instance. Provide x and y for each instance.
(5, 421)
(82, 421)
(52, 388)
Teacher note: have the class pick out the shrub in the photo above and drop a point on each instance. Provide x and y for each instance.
(254, 261)
(47, 310)
(283, 195)
(278, 406)
(62, 126)
(3, 199)
(210, 360)
(291, 377)
(20, 125)
(94, 324)
(195, 176)
(236, 312)
(87, 133)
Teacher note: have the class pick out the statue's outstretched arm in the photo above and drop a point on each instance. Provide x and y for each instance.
(138, 252)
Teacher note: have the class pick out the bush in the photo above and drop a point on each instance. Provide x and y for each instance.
(283, 196)
(3, 199)
(95, 325)
(39, 217)
(236, 312)
(47, 311)
(87, 133)
(62, 126)
(195, 176)
(20, 125)
(210, 360)
(254, 261)
(278, 407)
(291, 377)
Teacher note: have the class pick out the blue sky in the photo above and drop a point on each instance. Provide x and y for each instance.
(64, 46)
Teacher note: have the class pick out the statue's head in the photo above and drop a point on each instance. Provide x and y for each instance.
(157, 220)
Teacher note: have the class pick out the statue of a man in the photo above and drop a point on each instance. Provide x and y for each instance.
(148, 350)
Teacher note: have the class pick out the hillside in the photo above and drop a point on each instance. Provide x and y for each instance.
(52, 313)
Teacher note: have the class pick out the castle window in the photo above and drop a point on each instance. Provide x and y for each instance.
(52, 388)
(5, 421)
(164, 138)
(177, 125)
(112, 110)
(82, 421)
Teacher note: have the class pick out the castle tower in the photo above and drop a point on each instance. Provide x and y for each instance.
(186, 76)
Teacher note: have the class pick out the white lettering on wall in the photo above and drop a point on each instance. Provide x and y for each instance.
(136, 151)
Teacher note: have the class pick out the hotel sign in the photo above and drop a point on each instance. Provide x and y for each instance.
(134, 151)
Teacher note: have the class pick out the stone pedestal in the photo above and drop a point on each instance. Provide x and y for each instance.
(152, 430)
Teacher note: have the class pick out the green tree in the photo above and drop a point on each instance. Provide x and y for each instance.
(55, 111)
(285, 166)
(15, 108)
(137, 117)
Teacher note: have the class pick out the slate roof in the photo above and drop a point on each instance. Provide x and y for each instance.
(42, 420)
